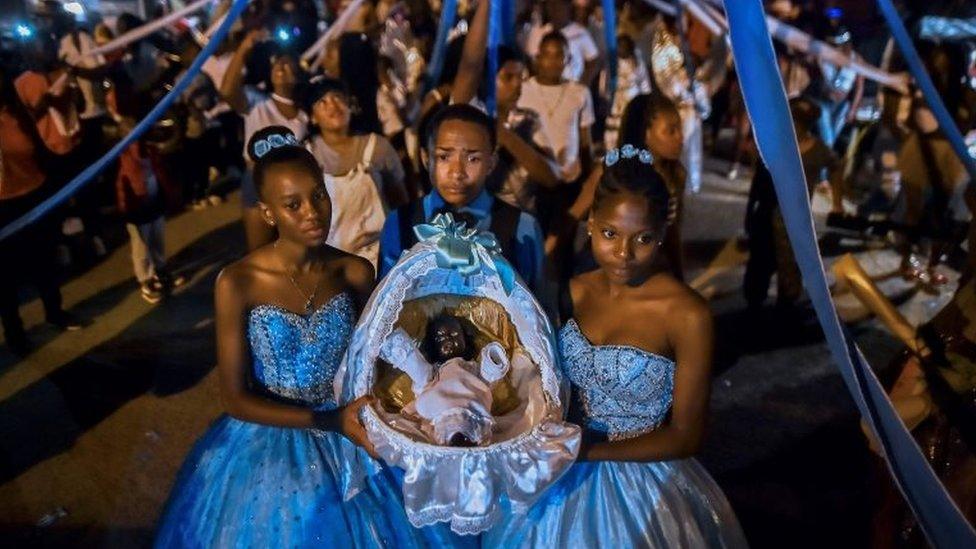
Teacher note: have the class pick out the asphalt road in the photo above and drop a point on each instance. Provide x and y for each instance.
(95, 423)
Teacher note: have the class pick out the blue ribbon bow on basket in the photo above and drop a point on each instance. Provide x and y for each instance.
(462, 249)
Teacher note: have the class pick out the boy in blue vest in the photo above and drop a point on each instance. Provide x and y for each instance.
(460, 155)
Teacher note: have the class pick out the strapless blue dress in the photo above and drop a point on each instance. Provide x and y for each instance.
(622, 392)
(251, 485)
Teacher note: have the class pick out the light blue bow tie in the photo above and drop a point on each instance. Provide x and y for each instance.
(457, 247)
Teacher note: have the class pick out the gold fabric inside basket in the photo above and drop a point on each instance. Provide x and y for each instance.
(492, 323)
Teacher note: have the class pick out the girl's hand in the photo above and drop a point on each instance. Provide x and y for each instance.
(352, 428)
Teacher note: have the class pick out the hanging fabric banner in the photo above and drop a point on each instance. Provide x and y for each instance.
(610, 36)
(766, 103)
(448, 16)
(508, 22)
(495, 16)
(89, 173)
(924, 82)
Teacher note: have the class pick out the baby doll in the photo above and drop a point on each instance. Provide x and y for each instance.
(454, 398)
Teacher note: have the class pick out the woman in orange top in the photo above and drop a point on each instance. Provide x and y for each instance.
(28, 255)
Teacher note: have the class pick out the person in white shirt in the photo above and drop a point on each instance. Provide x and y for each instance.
(632, 80)
(583, 63)
(565, 108)
(88, 70)
(525, 157)
(259, 112)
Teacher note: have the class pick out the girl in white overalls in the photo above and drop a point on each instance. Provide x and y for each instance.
(363, 174)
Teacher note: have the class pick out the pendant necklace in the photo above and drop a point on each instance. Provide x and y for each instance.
(562, 91)
(309, 299)
(283, 100)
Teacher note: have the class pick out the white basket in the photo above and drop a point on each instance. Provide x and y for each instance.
(467, 487)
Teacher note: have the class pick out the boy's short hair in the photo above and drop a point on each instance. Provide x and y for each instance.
(463, 112)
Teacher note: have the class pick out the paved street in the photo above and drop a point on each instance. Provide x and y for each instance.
(94, 424)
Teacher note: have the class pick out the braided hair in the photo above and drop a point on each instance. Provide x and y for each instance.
(635, 175)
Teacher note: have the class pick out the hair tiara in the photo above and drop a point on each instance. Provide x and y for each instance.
(263, 146)
(628, 151)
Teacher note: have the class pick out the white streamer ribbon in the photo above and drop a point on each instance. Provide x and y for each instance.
(799, 40)
(802, 41)
(143, 31)
(317, 49)
(703, 17)
(663, 7)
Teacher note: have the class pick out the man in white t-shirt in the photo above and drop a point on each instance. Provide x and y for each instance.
(583, 63)
(73, 50)
(565, 108)
(259, 111)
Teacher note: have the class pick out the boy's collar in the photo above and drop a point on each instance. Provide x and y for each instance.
(481, 205)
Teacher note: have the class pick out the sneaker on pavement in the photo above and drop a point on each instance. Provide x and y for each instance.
(168, 281)
(152, 291)
(66, 321)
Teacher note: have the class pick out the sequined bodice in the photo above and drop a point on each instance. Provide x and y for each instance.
(618, 390)
(296, 357)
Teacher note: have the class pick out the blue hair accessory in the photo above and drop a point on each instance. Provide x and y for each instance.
(273, 141)
(628, 151)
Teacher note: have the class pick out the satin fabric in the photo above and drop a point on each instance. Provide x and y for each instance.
(531, 445)
(668, 504)
(622, 392)
(251, 485)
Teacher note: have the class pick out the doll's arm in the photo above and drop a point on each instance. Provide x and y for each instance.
(494, 362)
(401, 352)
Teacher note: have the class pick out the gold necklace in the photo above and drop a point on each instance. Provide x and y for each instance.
(559, 100)
(309, 299)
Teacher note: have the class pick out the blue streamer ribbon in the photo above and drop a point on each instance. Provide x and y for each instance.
(768, 110)
(610, 37)
(89, 173)
(508, 22)
(495, 14)
(448, 15)
(458, 247)
(917, 68)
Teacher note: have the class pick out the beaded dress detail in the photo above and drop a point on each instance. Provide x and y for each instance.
(622, 392)
(619, 390)
(296, 357)
(252, 485)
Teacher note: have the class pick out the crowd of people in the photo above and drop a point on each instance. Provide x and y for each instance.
(581, 173)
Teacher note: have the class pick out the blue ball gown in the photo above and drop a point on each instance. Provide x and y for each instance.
(251, 485)
(623, 392)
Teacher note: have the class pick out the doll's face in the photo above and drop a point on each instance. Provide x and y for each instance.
(448, 338)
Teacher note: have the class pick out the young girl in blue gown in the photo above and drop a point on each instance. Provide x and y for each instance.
(269, 473)
(637, 347)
